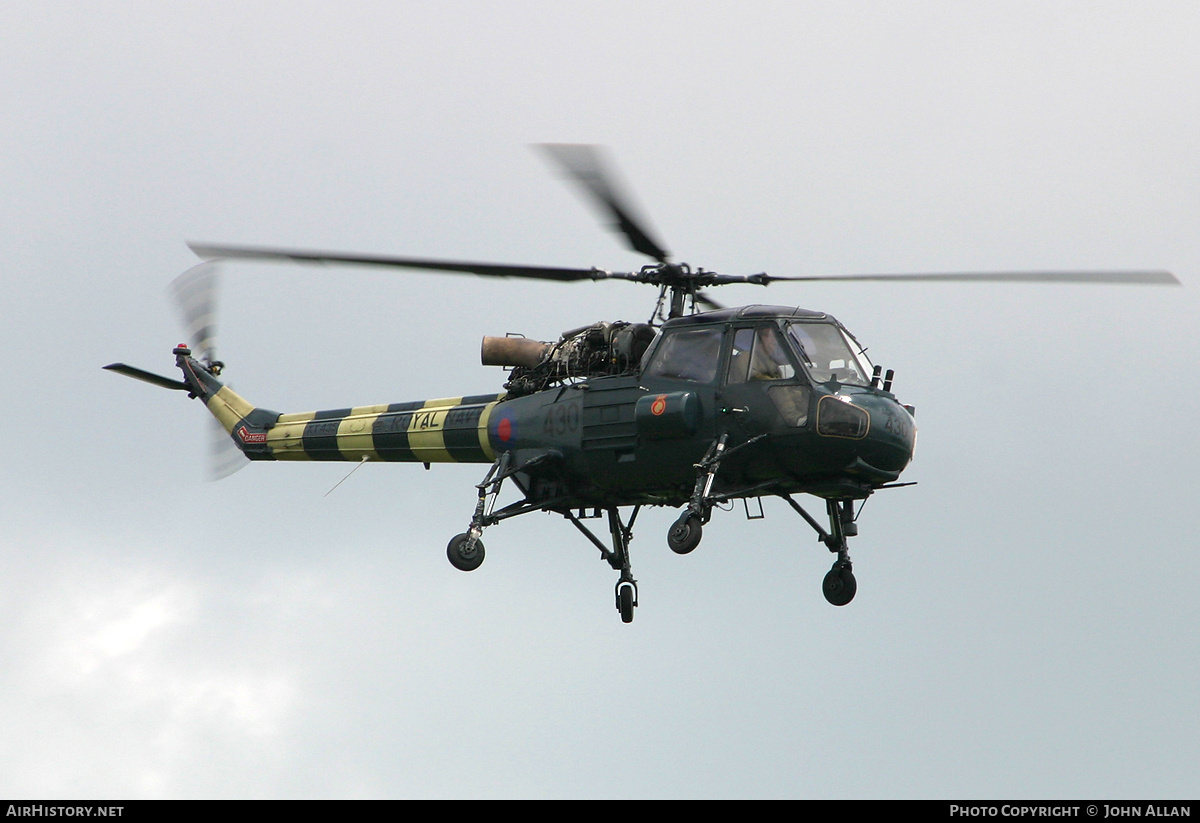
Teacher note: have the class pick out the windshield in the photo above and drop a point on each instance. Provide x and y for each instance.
(829, 354)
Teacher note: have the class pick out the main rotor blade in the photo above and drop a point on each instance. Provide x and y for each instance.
(585, 165)
(195, 293)
(213, 252)
(1146, 278)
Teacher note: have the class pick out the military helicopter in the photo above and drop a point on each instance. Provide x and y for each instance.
(691, 409)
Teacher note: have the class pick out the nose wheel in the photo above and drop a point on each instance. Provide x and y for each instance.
(684, 535)
(839, 585)
(465, 552)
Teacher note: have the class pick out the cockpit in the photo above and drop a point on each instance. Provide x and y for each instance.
(813, 349)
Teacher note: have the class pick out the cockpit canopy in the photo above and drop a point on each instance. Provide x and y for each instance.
(758, 343)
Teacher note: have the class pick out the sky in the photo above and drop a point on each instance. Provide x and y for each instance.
(1025, 618)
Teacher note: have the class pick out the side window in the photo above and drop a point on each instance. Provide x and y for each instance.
(687, 355)
(758, 354)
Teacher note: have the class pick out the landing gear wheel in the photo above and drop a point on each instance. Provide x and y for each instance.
(625, 603)
(465, 553)
(839, 585)
(684, 534)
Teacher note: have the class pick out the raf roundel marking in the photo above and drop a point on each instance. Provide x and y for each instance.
(505, 429)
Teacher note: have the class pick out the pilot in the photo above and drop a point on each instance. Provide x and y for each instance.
(768, 362)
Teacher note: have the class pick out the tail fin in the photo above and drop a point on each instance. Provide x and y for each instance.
(237, 424)
(244, 422)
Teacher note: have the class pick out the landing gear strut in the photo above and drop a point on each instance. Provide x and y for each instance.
(465, 551)
(684, 535)
(839, 585)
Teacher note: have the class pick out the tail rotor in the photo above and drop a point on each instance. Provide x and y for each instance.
(195, 293)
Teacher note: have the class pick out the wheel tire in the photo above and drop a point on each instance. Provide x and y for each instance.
(684, 534)
(839, 586)
(625, 603)
(465, 554)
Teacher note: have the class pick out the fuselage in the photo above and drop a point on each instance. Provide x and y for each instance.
(784, 388)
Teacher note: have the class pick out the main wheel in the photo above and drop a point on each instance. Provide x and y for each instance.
(465, 554)
(684, 534)
(625, 603)
(839, 586)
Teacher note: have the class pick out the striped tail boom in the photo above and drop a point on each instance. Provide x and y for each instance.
(446, 430)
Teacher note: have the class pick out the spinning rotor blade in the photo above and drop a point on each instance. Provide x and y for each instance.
(224, 458)
(1147, 278)
(585, 165)
(701, 297)
(195, 293)
(211, 252)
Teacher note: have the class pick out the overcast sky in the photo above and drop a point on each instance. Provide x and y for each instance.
(1026, 617)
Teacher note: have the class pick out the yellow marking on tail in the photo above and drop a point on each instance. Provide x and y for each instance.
(229, 407)
(355, 435)
(426, 438)
(484, 442)
(286, 438)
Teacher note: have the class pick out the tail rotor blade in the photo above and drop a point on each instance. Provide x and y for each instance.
(195, 293)
(224, 458)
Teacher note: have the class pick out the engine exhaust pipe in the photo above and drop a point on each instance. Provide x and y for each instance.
(512, 351)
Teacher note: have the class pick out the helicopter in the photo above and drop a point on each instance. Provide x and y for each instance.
(700, 406)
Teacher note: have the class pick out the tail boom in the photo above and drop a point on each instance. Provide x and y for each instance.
(446, 430)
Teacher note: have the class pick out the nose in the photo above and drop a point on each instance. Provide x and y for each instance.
(893, 435)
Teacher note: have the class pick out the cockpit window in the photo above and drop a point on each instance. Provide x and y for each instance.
(687, 355)
(827, 354)
(758, 354)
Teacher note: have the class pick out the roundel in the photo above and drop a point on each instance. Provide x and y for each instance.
(659, 405)
(504, 429)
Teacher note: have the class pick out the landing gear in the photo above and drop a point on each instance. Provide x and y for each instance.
(617, 557)
(685, 534)
(465, 552)
(839, 585)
